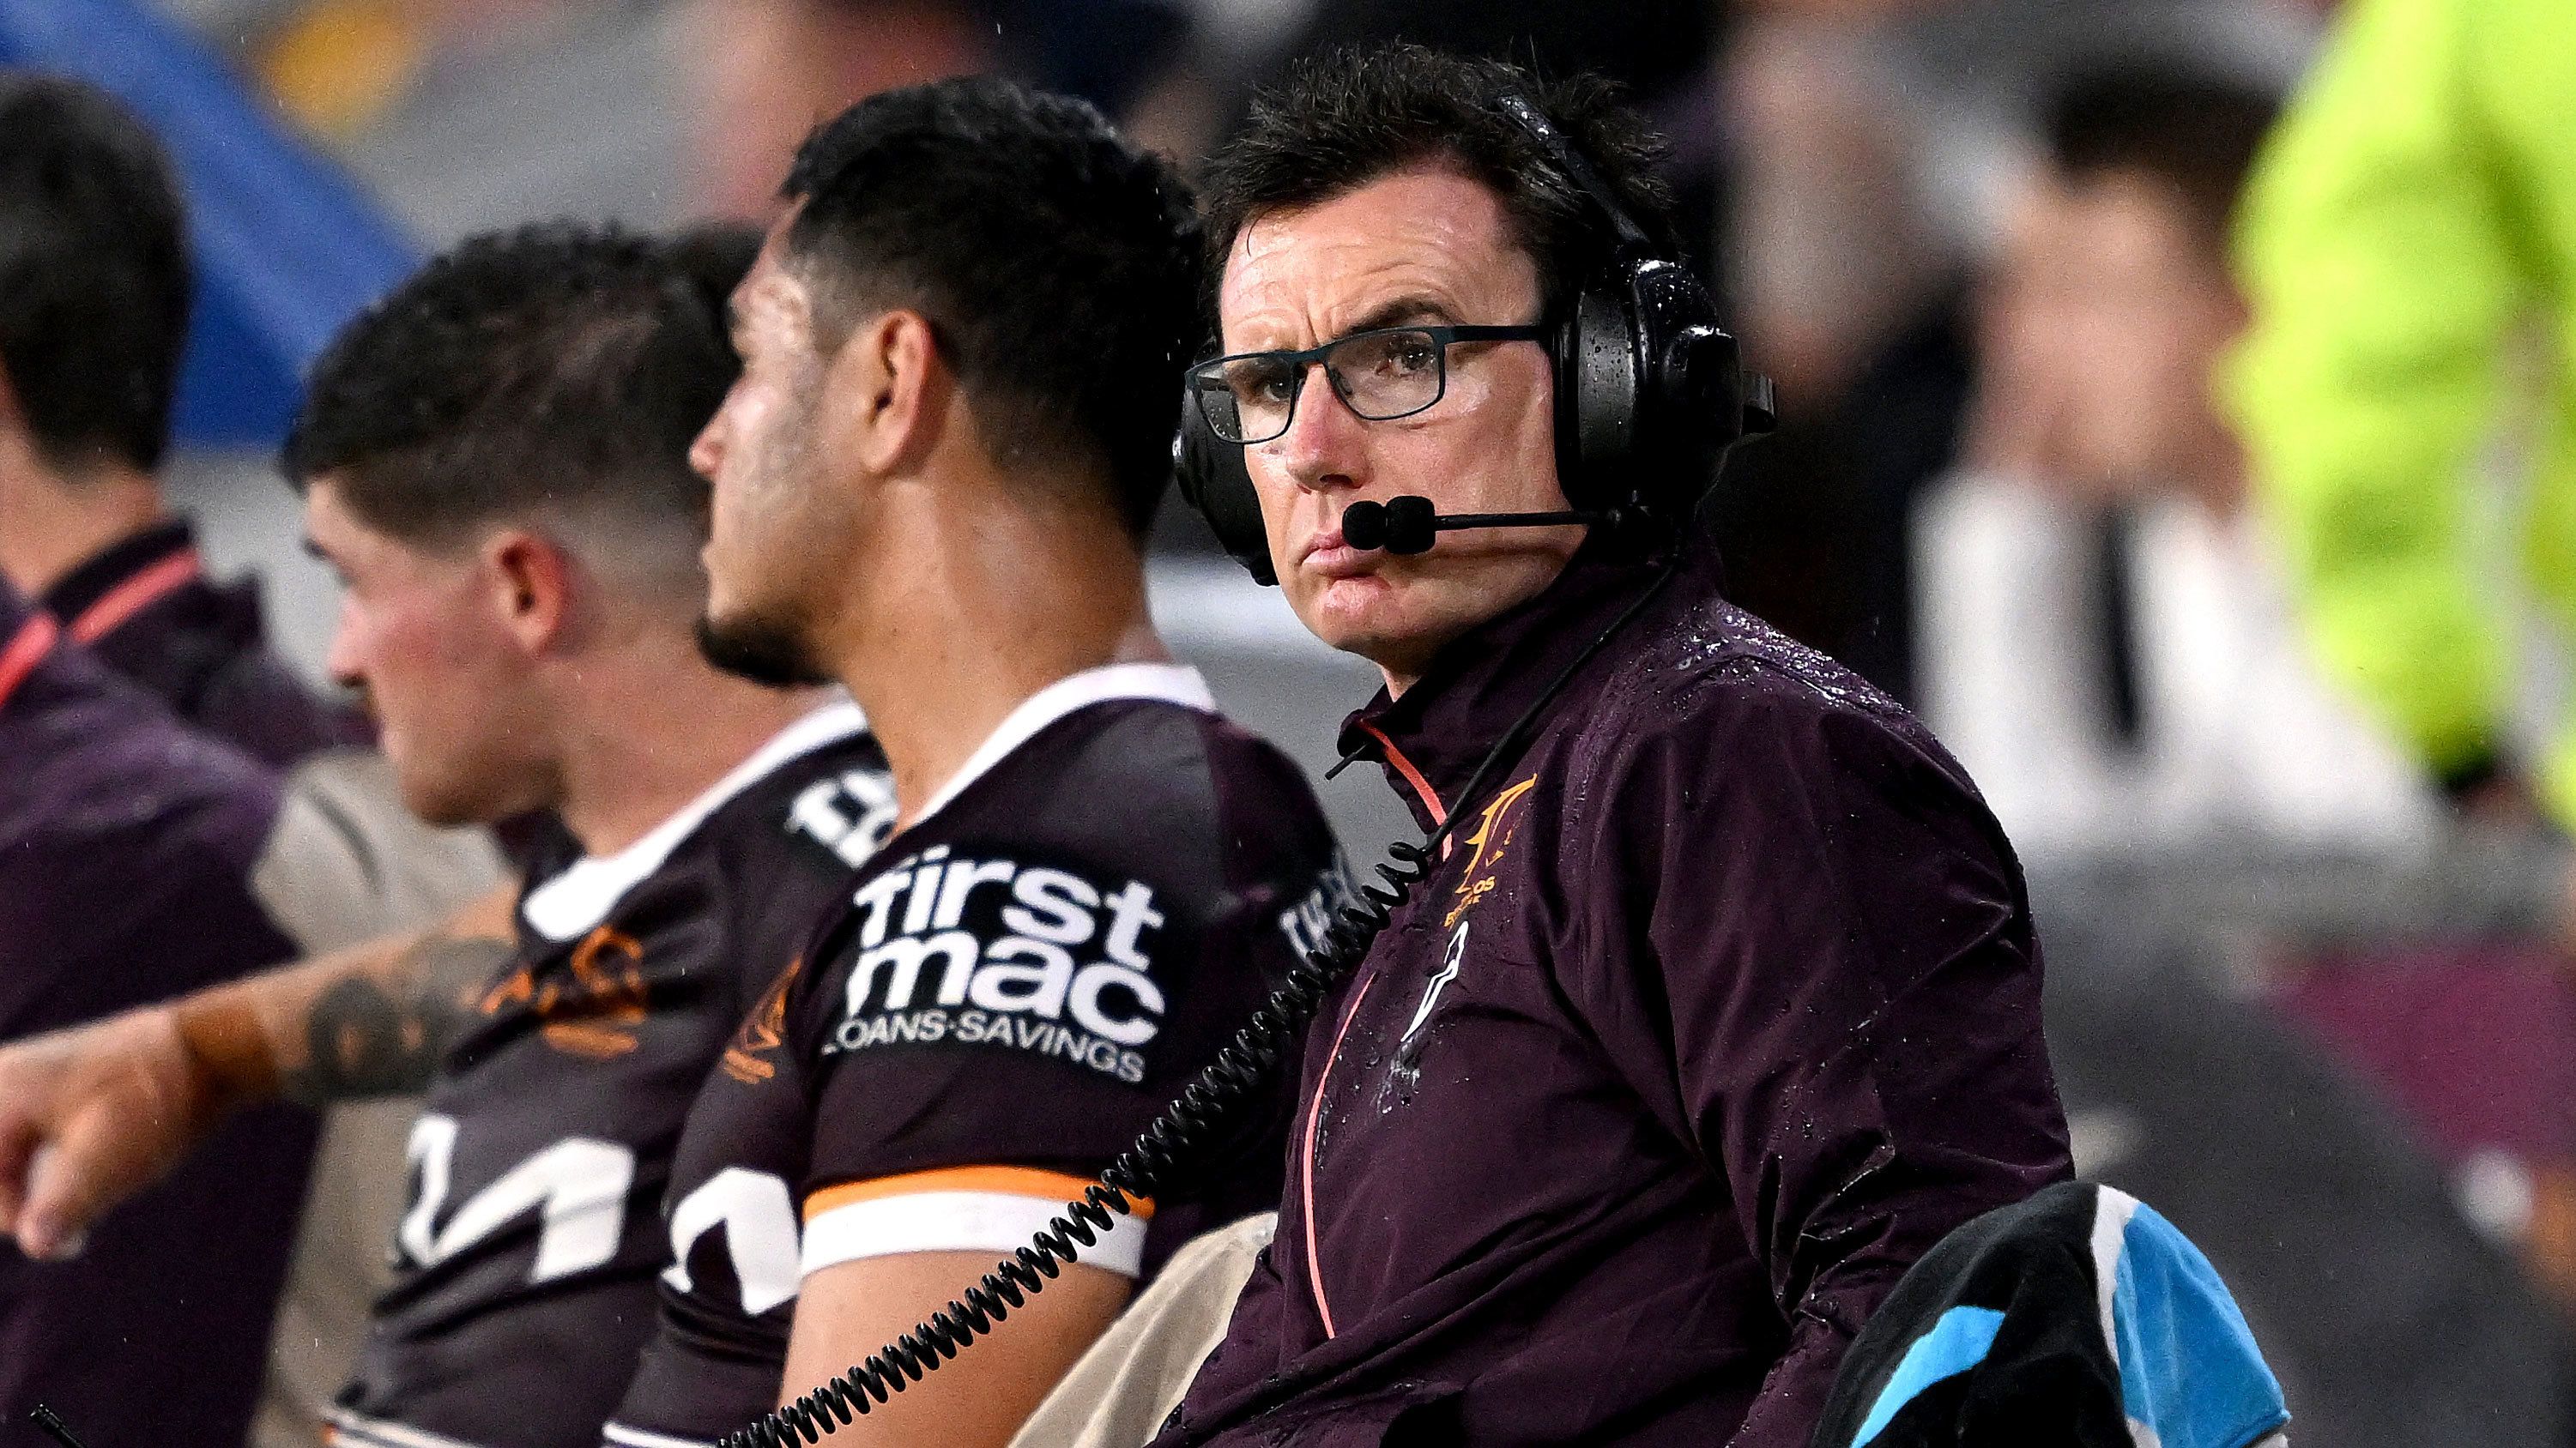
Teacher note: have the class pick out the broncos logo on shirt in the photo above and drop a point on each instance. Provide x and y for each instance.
(592, 1010)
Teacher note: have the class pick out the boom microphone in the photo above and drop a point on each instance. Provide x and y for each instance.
(1411, 524)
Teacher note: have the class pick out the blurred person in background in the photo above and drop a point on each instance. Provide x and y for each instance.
(94, 295)
(94, 290)
(763, 70)
(1872, 146)
(494, 459)
(129, 843)
(2111, 641)
(2409, 249)
(475, 113)
(2105, 635)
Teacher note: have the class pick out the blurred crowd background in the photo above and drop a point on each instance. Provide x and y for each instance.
(2194, 471)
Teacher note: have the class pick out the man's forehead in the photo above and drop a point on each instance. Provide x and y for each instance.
(1429, 233)
(770, 283)
(338, 531)
(330, 528)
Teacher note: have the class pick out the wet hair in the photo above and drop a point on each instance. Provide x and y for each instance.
(1055, 261)
(2193, 129)
(1339, 121)
(93, 272)
(555, 369)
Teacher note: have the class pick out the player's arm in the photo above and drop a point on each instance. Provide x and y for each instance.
(853, 1309)
(91, 1115)
(372, 1020)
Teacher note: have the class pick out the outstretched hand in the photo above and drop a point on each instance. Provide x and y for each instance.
(90, 1116)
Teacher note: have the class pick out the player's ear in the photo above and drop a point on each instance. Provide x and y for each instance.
(13, 414)
(17, 447)
(529, 586)
(895, 391)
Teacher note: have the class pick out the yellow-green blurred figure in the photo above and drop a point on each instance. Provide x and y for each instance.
(2413, 216)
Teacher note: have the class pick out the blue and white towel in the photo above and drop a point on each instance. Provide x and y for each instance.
(2080, 1316)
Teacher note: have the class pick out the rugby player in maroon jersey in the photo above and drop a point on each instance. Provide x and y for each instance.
(963, 350)
(495, 459)
(1725, 1005)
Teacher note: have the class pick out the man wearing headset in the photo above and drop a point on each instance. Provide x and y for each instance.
(1719, 1002)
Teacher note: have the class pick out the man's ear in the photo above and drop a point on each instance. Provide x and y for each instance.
(894, 391)
(13, 416)
(529, 584)
(14, 437)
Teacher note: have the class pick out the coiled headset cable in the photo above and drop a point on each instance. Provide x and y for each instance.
(1246, 1063)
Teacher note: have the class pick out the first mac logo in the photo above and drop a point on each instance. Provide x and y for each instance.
(997, 952)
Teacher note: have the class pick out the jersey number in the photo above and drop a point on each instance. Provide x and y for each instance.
(579, 1185)
(760, 1235)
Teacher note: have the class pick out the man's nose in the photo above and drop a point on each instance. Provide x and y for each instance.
(1326, 443)
(706, 450)
(343, 660)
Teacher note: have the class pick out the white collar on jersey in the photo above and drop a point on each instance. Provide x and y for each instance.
(579, 898)
(1169, 683)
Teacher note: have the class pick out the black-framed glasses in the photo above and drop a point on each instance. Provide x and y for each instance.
(1380, 375)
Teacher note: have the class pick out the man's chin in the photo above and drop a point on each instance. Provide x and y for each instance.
(441, 805)
(759, 650)
(1378, 634)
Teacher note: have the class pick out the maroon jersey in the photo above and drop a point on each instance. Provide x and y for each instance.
(1014, 988)
(1722, 1008)
(146, 609)
(524, 1263)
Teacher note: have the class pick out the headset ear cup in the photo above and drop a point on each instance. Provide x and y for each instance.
(1690, 406)
(1212, 479)
(1599, 375)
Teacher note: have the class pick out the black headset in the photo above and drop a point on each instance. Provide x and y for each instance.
(1650, 390)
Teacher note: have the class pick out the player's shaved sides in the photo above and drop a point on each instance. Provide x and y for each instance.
(552, 374)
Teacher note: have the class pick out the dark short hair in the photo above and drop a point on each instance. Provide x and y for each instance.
(1339, 121)
(557, 366)
(1056, 262)
(93, 272)
(2194, 129)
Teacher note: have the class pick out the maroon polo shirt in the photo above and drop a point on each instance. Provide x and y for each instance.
(1722, 1008)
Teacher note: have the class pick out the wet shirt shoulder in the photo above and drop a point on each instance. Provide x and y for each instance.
(1008, 995)
(526, 1256)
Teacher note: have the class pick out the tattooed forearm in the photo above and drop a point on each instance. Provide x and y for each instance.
(381, 1033)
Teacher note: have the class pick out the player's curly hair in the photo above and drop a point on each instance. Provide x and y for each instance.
(1056, 262)
(1340, 120)
(550, 370)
